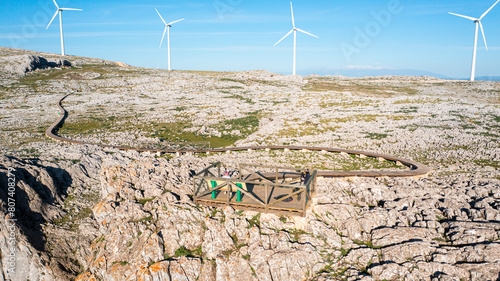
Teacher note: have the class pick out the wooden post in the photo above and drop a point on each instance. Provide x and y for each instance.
(229, 191)
(276, 174)
(267, 199)
(196, 191)
(305, 199)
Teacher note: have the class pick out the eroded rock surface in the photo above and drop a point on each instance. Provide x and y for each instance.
(91, 213)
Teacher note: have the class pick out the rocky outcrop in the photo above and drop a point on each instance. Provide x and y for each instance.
(148, 231)
(27, 63)
(32, 197)
(35, 200)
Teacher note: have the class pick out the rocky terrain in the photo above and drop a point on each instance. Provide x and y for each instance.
(90, 213)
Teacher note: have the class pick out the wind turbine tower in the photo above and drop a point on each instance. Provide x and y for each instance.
(59, 11)
(167, 30)
(478, 24)
(294, 30)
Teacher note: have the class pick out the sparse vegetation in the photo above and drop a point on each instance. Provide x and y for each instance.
(183, 251)
(254, 221)
(366, 89)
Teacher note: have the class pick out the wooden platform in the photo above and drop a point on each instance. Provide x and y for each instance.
(259, 191)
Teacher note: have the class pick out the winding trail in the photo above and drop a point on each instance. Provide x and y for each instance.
(415, 168)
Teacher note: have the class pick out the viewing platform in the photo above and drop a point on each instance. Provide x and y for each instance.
(265, 189)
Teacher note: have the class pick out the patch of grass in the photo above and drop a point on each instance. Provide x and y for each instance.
(306, 128)
(364, 270)
(183, 251)
(328, 161)
(344, 252)
(375, 136)
(176, 131)
(246, 125)
(70, 73)
(213, 212)
(419, 101)
(366, 88)
(295, 233)
(180, 108)
(72, 217)
(365, 243)
(145, 219)
(93, 124)
(144, 201)
(233, 80)
(347, 104)
(487, 163)
(254, 221)
(240, 97)
(227, 253)
(410, 109)
(271, 83)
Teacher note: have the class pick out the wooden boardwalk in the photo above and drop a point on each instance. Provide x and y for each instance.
(414, 168)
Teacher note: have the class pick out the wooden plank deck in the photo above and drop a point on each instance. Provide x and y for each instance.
(259, 191)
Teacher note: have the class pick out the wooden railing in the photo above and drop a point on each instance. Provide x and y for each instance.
(259, 188)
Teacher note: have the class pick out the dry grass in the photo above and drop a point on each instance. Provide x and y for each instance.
(375, 90)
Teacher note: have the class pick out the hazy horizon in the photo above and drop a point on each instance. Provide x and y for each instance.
(239, 35)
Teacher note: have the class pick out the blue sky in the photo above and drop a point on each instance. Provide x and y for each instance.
(239, 34)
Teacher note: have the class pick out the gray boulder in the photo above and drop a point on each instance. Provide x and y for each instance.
(27, 63)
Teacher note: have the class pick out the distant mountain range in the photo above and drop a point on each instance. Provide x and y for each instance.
(363, 71)
(485, 78)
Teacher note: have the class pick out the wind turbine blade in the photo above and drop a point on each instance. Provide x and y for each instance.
(55, 15)
(462, 16)
(161, 17)
(56, 4)
(164, 31)
(70, 9)
(174, 22)
(293, 19)
(484, 37)
(284, 37)
(485, 13)
(306, 32)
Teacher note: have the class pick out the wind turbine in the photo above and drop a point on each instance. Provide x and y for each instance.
(167, 29)
(294, 30)
(59, 11)
(478, 24)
